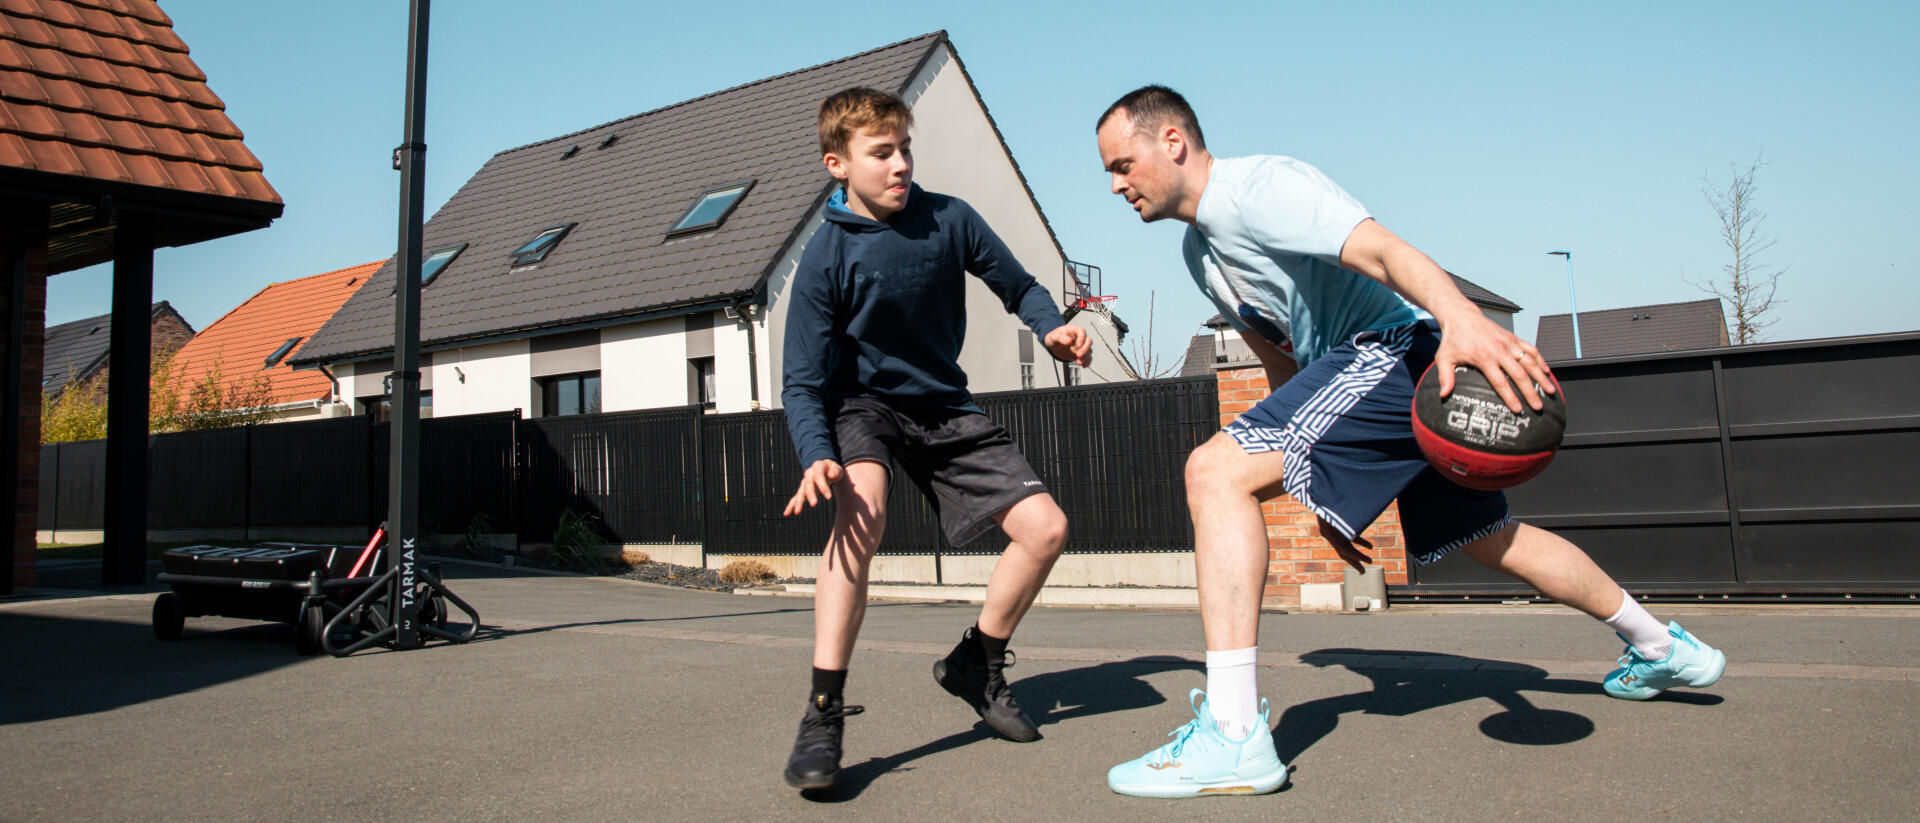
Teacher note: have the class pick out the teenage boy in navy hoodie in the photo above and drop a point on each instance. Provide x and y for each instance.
(872, 381)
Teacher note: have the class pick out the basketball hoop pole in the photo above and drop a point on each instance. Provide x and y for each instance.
(403, 479)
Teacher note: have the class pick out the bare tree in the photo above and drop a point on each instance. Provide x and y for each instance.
(1147, 364)
(1746, 284)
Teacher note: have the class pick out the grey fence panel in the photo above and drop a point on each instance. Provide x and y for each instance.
(635, 474)
(468, 469)
(82, 486)
(197, 478)
(1790, 468)
(309, 473)
(49, 485)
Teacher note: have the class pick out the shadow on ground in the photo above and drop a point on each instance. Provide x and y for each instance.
(1048, 698)
(1406, 683)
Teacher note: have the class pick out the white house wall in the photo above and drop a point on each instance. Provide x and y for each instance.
(497, 377)
(644, 365)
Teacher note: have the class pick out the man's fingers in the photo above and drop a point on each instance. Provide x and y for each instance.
(1445, 368)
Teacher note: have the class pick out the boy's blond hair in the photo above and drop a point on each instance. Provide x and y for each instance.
(857, 109)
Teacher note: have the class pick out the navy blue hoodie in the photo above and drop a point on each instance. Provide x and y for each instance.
(879, 310)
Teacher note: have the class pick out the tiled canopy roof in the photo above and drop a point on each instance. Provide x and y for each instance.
(104, 89)
(242, 339)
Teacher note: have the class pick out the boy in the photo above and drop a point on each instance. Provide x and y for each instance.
(1345, 316)
(872, 380)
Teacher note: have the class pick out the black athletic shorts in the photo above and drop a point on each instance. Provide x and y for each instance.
(965, 464)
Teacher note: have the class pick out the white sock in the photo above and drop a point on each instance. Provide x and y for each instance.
(1645, 634)
(1232, 696)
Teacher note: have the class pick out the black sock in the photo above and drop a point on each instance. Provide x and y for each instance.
(830, 681)
(992, 646)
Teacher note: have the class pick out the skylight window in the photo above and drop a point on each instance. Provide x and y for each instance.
(571, 151)
(281, 353)
(437, 261)
(541, 245)
(608, 140)
(711, 208)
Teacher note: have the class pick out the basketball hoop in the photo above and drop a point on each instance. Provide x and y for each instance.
(1090, 302)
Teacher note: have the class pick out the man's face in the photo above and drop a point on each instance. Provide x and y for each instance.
(1141, 167)
(877, 169)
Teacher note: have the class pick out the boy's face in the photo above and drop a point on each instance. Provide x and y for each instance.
(877, 170)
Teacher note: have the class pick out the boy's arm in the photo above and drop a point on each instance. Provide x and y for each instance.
(806, 356)
(1467, 337)
(1279, 367)
(991, 261)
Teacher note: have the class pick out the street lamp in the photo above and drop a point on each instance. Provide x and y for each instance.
(1572, 301)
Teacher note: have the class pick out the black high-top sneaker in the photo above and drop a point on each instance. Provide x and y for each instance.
(815, 761)
(970, 674)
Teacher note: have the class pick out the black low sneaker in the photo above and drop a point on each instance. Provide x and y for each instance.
(970, 674)
(815, 762)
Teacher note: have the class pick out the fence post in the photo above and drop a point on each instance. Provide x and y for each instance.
(1726, 463)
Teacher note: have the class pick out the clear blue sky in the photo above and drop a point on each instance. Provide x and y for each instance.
(1485, 133)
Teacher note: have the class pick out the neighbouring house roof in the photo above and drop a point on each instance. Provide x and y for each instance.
(76, 350)
(241, 341)
(617, 262)
(1199, 359)
(104, 92)
(1696, 324)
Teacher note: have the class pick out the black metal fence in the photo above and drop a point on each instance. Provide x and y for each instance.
(1110, 454)
(1780, 468)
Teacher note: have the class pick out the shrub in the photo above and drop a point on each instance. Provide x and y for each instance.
(746, 571)
(576, 544)
(635, 557)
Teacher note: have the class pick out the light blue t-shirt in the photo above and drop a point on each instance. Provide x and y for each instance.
(1266, 249)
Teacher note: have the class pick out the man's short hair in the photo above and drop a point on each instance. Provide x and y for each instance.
(1150, 108)
(857, 109)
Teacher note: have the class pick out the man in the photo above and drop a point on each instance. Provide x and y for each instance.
(1344, 316)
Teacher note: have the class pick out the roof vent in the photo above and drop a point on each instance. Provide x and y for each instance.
(571, 151)
(608, 140)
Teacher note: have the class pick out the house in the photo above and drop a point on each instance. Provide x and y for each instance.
(75, 354)
(1695, 324)
(111, 145)
(1220, 346)
(251, 346)
(646, 262)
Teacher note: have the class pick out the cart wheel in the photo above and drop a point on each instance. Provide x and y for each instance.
(435, 612)
(168, 618)
(312, 627)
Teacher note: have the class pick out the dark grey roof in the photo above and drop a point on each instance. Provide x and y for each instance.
(75, 350)
(1482, 297)
(1698, 324)
(1472, 290)
(617, 263)
(1199, 356)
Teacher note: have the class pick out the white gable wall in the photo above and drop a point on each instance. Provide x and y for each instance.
(497, 377)
(644, 365)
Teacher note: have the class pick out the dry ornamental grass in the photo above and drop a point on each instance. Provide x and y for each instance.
(741, 572)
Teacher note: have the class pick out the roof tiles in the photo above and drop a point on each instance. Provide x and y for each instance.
(1697, 324)
(88, 86)
(240, 341)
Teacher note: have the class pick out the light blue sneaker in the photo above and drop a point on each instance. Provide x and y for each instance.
(1201, 761)
(1691, 663)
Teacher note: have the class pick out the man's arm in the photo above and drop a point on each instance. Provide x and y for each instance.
(1467, 337)
(1279, 367)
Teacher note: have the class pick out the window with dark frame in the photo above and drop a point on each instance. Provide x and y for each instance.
(701, 390)
(541, 245)
(437, 262)
(711, 208)
(569, 394)
(1026, 358)
(380, 406)
(281, 353)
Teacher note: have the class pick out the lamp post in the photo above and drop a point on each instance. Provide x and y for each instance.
(1572, 301)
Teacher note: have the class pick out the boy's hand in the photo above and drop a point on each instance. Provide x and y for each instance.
(1070, 344)
(1513, 366)
(816, 485)
(1349, 550)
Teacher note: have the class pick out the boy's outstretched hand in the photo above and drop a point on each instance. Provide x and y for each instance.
(816, 485)
(1070, 344)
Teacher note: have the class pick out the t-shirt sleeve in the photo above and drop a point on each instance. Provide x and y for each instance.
(1290, 207)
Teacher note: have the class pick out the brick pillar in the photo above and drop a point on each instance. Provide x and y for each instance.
(1296, 554)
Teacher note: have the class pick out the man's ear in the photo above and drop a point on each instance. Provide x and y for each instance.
(1174, 143)
(835, 166)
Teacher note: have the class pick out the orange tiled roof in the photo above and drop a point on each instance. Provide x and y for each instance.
(104, 89)
(241, 341)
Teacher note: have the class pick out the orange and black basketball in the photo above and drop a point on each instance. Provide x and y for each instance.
(1473, 439)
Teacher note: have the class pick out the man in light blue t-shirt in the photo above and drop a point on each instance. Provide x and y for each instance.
(1344, 316)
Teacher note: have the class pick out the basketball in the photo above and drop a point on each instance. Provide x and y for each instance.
(1473, 439)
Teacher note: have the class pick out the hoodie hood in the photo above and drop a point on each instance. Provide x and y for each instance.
(838, 212)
